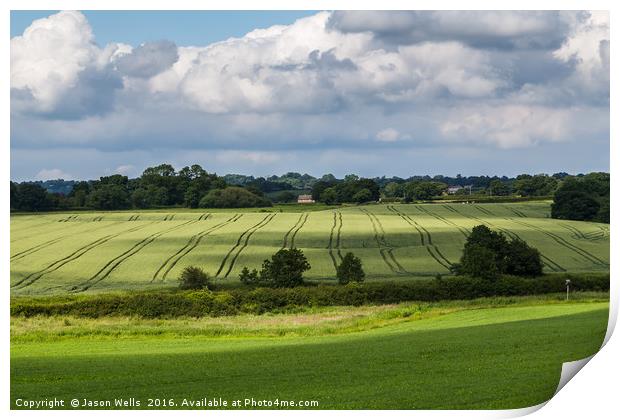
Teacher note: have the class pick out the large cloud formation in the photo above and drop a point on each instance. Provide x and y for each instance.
(334, 81)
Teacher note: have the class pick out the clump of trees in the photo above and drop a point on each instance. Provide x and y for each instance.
(194, 278)
(33, 197)
(535, 185)
(488, 254)
(284, 269)
(158, 186)
(350, 269)
(583, 198)
(233, 197)
(352, 189)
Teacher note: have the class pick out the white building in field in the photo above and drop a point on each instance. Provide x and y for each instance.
(305, 199)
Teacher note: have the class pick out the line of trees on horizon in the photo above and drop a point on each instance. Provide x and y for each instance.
(577, 197)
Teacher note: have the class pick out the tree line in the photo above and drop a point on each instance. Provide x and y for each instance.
(576, 197)
(158, 186)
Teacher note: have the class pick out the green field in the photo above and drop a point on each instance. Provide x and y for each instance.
(490, 353)
(98, 251)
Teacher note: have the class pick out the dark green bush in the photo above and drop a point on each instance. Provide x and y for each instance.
(350, 269)
(488, 255)
(285, 268)
(194, 278)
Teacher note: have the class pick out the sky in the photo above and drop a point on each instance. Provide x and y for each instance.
(260, 93)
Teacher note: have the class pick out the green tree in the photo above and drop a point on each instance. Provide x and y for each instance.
(497, 187)
(194, 278)
(285, 269)
(488, 254)
(479, 261)
(583, 198)
(350, 269)
(192, 196)
(362, 196)
(79, 193)
(574, 205)
(233, 197)
(285, 197)
(109, 197)
(535, 186)
(393, 189)
(250, 278)
(522, 259)
(140, 199)
(30, 197)
(329, 196)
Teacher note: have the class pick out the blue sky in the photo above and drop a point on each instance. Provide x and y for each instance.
(184, 27)
(374, 93)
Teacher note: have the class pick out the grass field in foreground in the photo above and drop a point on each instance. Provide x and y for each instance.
(488, 357)
(97, 251)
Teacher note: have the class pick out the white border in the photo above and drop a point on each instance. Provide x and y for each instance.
(593, 393)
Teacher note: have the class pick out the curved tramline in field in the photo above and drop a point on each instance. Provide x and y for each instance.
(111, 265)
(463, 231)
(563, 242)
(43, 245)
(431, 248)
(385, 249)
(292, 232)
(402, 242)
(242, 243)
(33, 277)
(547, 262)
(191, 244)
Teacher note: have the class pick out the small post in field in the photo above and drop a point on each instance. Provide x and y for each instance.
(567, 287)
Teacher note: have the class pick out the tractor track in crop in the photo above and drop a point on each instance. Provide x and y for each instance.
(299, 228)
(191, 244)
(293, 230)
(330, 244)
(515, 211)
(409, 220)
(431, 248)
(561, 241)
(32, 250)
(463, 231)
(111, 265)
(50, 268)
(243, 238)
(554, 266)
(385, 249)
(579, 235)
(483, 210)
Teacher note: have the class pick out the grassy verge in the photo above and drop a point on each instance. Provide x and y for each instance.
(305, 322)
(173, 303)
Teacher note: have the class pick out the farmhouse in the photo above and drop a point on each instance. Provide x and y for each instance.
(453, 189)
(305, 199)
